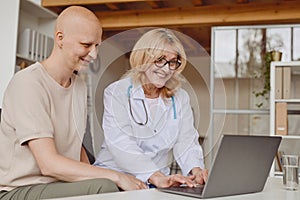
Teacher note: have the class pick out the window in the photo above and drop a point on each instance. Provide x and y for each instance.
(238, 58)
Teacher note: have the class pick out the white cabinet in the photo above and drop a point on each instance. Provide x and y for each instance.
(15, 16)
(38, 22)
(285, 108)
(9, 12)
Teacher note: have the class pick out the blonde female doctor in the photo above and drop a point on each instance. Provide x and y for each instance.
(147, 118)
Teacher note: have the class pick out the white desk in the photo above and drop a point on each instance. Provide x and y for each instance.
(273, 190)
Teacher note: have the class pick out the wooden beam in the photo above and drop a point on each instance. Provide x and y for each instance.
(50, 3)
(242, 1)
(153, 4)
(112, 6)
(197, 2)
(250, 13)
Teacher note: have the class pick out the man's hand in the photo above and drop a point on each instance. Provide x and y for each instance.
(129, 182)
(52, 164)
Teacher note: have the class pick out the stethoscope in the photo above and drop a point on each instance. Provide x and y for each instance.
(143, 102)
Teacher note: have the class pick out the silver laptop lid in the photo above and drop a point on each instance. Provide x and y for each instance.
(241, 165)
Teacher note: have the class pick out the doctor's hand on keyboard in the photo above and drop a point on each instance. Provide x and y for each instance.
(199, 175)
(162, 181)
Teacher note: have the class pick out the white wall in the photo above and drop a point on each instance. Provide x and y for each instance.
(9, 14)
(197, 74)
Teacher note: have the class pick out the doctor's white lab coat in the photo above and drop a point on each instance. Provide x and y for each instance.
(141, 150)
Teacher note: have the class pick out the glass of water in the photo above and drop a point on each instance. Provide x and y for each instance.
(290, 171)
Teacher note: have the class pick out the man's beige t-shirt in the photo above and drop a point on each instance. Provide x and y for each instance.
(36, 106)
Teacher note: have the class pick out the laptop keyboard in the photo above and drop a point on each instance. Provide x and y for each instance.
(186, 189)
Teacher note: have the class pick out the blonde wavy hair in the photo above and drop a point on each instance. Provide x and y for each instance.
(151, 47)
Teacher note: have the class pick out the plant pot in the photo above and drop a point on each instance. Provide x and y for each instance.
(276, 55)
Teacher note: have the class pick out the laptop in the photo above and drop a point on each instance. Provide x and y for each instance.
(241, 165)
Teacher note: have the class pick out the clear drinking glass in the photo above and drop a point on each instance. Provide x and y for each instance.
(290, 171)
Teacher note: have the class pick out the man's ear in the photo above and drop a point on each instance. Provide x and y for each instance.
(59, 36)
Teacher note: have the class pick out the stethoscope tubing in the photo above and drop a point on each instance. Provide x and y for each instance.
(146, 113)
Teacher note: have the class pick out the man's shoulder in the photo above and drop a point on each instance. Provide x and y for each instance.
(27, 75)
(31, 71)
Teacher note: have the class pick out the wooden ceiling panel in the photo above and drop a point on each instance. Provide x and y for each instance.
(192, 17)
(236, 14)
(51, 3)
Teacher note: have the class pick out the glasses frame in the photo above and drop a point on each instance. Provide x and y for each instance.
(178, 63)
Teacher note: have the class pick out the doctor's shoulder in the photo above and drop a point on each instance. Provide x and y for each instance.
(118, 86)
(182, 95)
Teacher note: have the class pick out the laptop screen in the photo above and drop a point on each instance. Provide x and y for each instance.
(241, 165)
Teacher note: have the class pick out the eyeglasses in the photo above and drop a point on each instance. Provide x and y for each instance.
(173, 64)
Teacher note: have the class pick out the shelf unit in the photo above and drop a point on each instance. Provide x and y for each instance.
(15, 16)
(34, 17)
(36, 10)
(291, 142)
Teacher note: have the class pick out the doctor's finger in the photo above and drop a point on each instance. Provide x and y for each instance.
(183, 180)
(201, 178)
(205, 174)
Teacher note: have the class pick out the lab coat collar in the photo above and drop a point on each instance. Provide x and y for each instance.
(137, 93)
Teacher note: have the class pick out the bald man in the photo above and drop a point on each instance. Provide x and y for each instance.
(43, 121)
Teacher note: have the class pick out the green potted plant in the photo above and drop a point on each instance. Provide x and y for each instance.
(265, 74)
